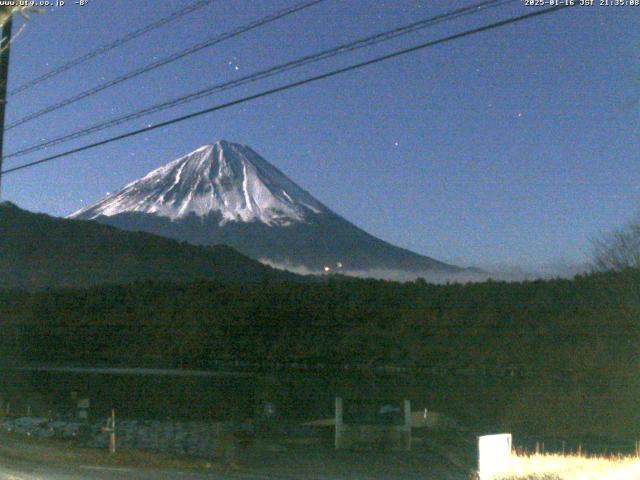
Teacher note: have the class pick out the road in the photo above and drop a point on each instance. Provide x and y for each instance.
(365, 469)
(11, 470)
(24, 459)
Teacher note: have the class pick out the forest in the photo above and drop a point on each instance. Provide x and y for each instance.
(553, 355)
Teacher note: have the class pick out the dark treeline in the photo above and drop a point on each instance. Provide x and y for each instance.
(38, 251)
(573, 343)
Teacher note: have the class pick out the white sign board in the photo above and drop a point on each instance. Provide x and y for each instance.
(494, 452)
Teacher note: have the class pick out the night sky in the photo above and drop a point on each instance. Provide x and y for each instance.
(511, 147)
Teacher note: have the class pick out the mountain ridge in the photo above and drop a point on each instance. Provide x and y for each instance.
(39, 251)
(227, 193)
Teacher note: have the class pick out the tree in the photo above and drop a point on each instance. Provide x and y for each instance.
(6, 12)
(620, 249)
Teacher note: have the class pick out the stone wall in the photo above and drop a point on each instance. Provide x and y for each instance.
(196, 438)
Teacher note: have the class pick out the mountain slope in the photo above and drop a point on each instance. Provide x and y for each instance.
(229, 179)
(38, 251)
(227, 193)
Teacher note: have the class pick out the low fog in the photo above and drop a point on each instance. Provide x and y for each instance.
(503, 272)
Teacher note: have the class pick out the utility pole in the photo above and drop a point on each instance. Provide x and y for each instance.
(5, 45)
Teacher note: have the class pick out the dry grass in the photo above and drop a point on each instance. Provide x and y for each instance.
(571, 467)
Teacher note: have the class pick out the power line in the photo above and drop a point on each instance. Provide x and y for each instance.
(269, 72)
(292, 85)
(165, 61)
(110, 46)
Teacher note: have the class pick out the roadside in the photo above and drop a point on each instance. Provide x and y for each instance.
(24, 458)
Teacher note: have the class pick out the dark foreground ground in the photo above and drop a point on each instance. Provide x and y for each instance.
(11, 469)
(26, 460)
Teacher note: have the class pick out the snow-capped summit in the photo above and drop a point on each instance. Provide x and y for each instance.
(228, 194)
(225, 178)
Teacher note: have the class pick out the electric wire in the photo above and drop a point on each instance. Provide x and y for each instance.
(263, 74)
(110, 46)
(164, 61)
(292, 85)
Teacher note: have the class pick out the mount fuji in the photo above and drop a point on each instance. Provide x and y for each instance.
(226, 193)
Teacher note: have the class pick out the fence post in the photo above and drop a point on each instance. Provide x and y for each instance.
(112, 437)
(339, 430)
(407, 424)
(111, 429)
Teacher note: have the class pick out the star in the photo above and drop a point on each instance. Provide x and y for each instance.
(234, 63)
